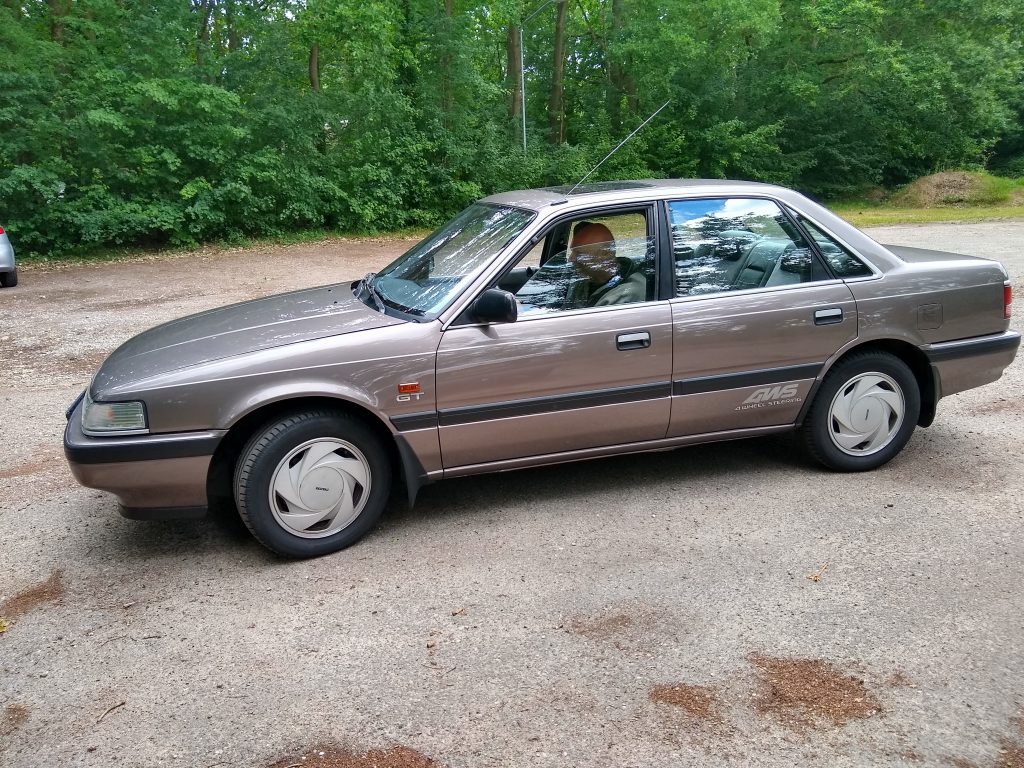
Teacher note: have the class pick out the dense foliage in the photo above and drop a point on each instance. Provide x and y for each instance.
(154, 121)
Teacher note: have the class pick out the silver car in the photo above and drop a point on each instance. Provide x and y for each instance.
(8, 269)
(538, 327)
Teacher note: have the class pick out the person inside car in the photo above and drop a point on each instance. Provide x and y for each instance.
(608, 280)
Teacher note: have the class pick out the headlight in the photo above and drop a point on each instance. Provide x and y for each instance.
(113, 418)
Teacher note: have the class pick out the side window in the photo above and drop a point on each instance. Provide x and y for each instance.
(843, 263)
(609, 260)
(732, 244)
(532, 259)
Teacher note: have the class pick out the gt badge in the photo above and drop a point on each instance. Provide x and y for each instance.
(408, 392)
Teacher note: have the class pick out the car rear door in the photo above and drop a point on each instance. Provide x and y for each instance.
(756, 317)
(559, 379)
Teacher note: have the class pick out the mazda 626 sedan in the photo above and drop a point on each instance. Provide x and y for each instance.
(538, 327)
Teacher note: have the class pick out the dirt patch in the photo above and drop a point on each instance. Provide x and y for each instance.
(899, 679)
(335, 757)
(612, 623)
(45, 357)
(698, 701)
(34, 467)
(15, 716)
(1011, 754)
(49, 591)
(1002, 405)
(132, 303)
(811, 692)
(25, 353)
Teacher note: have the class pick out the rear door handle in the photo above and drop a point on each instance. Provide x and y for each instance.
(828, 316)
(638, 340)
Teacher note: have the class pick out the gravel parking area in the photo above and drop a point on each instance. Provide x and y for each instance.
(726, 605)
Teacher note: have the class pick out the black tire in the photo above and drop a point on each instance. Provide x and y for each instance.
(271, 445)
(9, 279)
(820, 425)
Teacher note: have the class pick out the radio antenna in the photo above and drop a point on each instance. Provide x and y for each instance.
(634, 133)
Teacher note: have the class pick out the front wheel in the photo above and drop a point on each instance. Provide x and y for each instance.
(864, 412)
(312, 483)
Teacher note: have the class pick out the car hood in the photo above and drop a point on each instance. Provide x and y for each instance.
(238, 329)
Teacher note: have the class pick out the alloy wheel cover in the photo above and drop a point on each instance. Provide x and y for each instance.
(866, 414)
(319, 488)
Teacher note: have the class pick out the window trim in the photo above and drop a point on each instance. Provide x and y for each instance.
(797, 215)
(649, 208)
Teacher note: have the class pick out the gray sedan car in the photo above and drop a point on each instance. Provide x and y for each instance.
(538, 327)
(8, 269)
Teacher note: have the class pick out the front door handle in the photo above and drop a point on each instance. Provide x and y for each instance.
(638, 340)
(828, 316)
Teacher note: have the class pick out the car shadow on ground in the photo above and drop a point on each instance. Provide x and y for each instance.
(715, 463)
(221, 532)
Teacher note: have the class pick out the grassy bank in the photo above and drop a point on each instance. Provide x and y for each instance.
(949, 196)
(875, 215)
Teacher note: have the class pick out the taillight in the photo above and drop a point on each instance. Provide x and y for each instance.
(1, 230)
(1007, 301)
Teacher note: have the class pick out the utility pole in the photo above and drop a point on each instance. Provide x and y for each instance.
(522, 64)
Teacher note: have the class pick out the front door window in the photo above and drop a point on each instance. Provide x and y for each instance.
(596, 261)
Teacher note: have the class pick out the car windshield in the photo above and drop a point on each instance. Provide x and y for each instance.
(425, 279)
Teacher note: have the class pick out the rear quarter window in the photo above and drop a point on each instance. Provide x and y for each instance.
(843, 263)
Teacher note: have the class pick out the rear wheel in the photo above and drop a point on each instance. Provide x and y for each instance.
(312, 483)
(864, 412)
(9, 279)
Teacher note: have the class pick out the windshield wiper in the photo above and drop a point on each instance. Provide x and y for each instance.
(367, 284)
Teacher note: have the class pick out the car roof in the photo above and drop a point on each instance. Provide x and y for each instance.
(611, 193)
(625, 191)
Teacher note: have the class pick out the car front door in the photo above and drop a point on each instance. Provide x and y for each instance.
(572, 372)
(756, 316)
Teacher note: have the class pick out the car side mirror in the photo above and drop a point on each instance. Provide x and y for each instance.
(495, 306)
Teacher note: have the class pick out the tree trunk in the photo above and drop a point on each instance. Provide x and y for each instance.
(234, 39)
(314, 67)
(515, 74)
(556, 107)
(203, 37)
(58, 10)
(447, 87)
(622, 86)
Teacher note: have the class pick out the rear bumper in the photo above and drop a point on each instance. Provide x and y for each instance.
(970, 363)
(154, 477)
(6, 257)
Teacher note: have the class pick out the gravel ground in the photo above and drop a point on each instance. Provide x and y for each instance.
(728, 605)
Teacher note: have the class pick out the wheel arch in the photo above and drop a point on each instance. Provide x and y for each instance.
(220, 476)
(912, 356)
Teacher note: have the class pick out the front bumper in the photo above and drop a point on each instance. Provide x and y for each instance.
(154, 477)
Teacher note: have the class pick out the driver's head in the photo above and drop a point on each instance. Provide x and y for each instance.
(592, 250)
